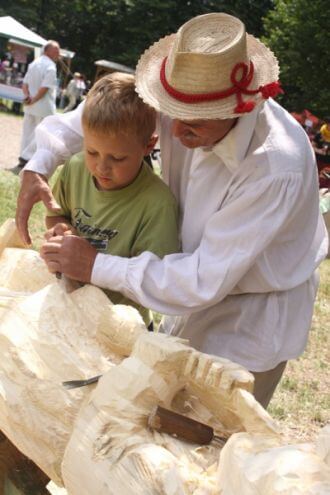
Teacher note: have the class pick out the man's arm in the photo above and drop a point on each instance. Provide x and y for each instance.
(26, 93)
(58, 137)
(40, 94)
(34, 188)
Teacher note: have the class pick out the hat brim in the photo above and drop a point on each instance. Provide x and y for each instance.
(151, 90)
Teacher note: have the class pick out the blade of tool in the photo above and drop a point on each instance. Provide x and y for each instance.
(80, 383)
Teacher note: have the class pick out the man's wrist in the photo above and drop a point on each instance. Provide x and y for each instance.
(43, 162)
(109, 272)
(43, 177)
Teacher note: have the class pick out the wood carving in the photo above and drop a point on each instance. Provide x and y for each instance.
(95, 439)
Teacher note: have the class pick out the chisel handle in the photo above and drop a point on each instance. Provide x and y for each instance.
(166, 421)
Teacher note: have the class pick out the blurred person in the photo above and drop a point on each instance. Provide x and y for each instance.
(39, 89)
(73, 92)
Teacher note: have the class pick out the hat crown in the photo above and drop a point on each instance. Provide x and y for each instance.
(210, 69)
(204, 53)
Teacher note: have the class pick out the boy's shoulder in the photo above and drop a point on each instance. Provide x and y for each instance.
(76, 163)
(73, 167)
(76, 159)
(155, 186)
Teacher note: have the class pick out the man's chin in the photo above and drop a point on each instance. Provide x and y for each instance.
(189, 143)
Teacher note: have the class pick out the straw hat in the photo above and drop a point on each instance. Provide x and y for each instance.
(210, 69)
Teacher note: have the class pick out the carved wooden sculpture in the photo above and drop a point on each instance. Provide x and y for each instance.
(95, 439)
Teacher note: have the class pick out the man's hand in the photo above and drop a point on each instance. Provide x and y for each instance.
(70, 255)
(34, 188)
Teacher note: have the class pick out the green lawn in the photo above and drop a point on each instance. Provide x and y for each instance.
(302, 401)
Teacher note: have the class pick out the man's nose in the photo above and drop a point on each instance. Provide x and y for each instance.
(178, 128)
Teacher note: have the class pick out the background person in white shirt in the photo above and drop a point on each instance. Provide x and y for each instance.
(244, 175)
(39, 88)
(73, 92)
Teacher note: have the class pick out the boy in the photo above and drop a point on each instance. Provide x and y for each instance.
(107, 193)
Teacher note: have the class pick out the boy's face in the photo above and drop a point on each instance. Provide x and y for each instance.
(114, 160)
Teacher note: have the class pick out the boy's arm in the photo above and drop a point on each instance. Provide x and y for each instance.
(58, 226)
(60, 223)
(52, 221)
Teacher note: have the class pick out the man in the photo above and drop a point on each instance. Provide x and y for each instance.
(244, 174)
(39, 88)
(73, 92)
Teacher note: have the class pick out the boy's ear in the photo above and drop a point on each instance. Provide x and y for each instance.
(151, 144)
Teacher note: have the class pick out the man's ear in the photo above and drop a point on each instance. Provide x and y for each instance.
(151, 144)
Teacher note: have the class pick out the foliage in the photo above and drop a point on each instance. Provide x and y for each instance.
(297, 31)
(120, 30)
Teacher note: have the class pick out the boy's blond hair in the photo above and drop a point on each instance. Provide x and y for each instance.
(112, 105)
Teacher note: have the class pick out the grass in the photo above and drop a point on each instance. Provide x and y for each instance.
(301, 403)
(302, 400)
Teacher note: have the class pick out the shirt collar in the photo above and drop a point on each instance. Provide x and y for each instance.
(233, 147)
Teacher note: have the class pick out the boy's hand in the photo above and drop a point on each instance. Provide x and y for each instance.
(60, 229)
(70, 255)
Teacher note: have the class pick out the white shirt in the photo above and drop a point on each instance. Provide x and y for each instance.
(41, 74)
(252, 236)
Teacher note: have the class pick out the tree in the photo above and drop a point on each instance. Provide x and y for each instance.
(297, 31)
(120, 30)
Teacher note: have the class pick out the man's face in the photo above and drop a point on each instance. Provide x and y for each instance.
(114, 160)
(201, 133)
(53, 52)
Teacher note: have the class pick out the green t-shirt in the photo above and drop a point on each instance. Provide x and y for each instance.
(142, 216)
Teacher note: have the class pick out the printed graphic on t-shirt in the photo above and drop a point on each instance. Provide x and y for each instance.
(99, 238)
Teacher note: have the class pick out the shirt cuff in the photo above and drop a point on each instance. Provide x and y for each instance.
(43, 162)
(109, 272)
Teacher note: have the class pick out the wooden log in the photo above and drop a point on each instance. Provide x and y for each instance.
(260, 464)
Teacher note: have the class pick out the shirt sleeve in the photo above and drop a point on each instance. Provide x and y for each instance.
(58, 137)
(233, 239)
(49, 79)
(26, 78)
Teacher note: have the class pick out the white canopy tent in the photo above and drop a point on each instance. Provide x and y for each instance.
(17, 33)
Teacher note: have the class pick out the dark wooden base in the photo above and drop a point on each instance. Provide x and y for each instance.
(20, 470)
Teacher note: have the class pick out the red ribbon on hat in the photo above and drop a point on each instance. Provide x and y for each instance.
(239, 87)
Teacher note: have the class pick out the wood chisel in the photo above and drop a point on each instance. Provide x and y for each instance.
(166, 421)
